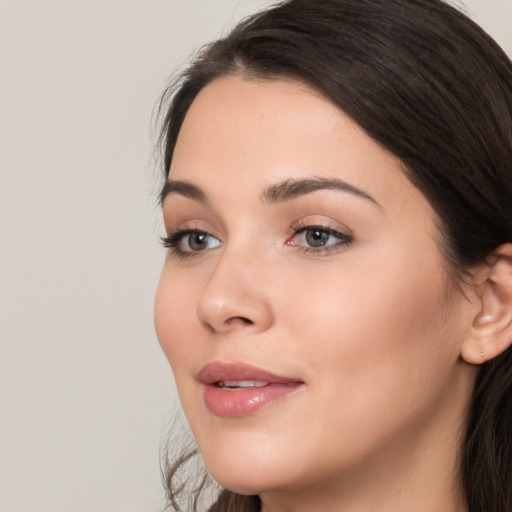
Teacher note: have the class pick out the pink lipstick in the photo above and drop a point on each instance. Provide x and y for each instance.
(239, 389)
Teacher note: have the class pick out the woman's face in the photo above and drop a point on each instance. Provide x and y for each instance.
(303, 304)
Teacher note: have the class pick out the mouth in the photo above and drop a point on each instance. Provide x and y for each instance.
(235, 384)
(239, 389)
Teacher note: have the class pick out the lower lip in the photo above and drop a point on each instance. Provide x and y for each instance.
(226, 402)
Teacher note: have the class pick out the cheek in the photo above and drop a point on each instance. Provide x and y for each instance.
(378, 330)
(174, 313)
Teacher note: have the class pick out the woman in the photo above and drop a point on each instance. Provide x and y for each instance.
(336, 302)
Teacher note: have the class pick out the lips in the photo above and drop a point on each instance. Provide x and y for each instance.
(239, 389)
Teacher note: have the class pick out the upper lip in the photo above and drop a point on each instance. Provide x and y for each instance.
(217, 371)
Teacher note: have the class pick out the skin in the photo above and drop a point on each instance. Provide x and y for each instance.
(374, 328)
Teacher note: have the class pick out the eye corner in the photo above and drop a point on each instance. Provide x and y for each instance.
(165, 241)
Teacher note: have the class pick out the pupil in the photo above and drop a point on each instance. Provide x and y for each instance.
(317, 238)
(198, 241)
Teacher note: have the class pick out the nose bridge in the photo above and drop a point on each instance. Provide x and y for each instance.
(235, 296)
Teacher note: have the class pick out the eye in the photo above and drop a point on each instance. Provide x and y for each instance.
(319, 238)
(187, 242)
(197, 241)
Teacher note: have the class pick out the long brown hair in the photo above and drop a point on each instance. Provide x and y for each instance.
(434, 89)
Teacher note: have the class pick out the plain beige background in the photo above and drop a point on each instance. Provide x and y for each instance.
(85, 392)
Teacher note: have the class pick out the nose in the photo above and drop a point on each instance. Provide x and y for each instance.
(235, 297)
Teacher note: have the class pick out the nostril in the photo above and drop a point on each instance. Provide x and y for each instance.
(240, 320)
(230, 323)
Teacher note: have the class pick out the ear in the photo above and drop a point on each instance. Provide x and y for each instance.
(491, 330)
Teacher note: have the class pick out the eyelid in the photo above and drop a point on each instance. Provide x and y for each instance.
(321, 222)
(175, 237)
(344, 235)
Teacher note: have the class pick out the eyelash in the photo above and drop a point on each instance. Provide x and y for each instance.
(172, 241)
(344, 240)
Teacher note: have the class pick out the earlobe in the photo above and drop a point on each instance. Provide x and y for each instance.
(491, 330)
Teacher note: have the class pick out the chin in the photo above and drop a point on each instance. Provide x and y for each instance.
(250, 467)
(241, 484)
(250, 479)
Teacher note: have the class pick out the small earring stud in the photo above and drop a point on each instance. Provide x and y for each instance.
(482, 354)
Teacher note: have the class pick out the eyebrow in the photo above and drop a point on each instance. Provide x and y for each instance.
(292, 188)
(182, 188)
(284, 191)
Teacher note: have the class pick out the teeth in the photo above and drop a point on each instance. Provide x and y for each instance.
(242, 384)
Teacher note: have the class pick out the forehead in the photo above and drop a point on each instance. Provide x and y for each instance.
(247, 134)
